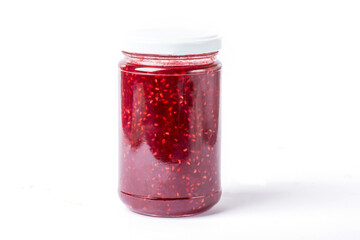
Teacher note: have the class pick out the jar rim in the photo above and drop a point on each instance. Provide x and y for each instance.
(170, 60)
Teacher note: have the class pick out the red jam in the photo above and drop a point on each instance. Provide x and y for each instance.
(170, 134)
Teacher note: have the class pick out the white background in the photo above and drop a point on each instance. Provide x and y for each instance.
(291, 119)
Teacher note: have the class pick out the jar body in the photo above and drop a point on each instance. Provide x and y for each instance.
(169, 134)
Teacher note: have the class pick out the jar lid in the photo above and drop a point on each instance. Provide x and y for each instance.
(171, 42)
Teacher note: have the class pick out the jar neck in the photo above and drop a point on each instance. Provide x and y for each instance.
(170, 60)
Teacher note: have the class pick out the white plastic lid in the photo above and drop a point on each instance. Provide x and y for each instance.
(171, 42)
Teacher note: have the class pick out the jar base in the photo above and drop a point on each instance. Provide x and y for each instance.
(169, 207)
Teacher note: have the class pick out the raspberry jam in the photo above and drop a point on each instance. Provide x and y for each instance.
(169, 133)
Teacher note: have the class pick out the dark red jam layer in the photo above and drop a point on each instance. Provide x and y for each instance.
(169, 138)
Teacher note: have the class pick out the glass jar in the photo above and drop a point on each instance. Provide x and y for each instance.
(170, 125)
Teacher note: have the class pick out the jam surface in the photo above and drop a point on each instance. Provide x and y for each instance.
(169, 138)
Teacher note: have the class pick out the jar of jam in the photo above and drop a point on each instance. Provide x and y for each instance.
(169, 126)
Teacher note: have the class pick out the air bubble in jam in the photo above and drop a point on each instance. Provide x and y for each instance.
(170, 136)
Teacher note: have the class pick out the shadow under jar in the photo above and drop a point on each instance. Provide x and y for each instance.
(170, 131)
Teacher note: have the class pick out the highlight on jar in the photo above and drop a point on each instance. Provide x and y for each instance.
(169, 128)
